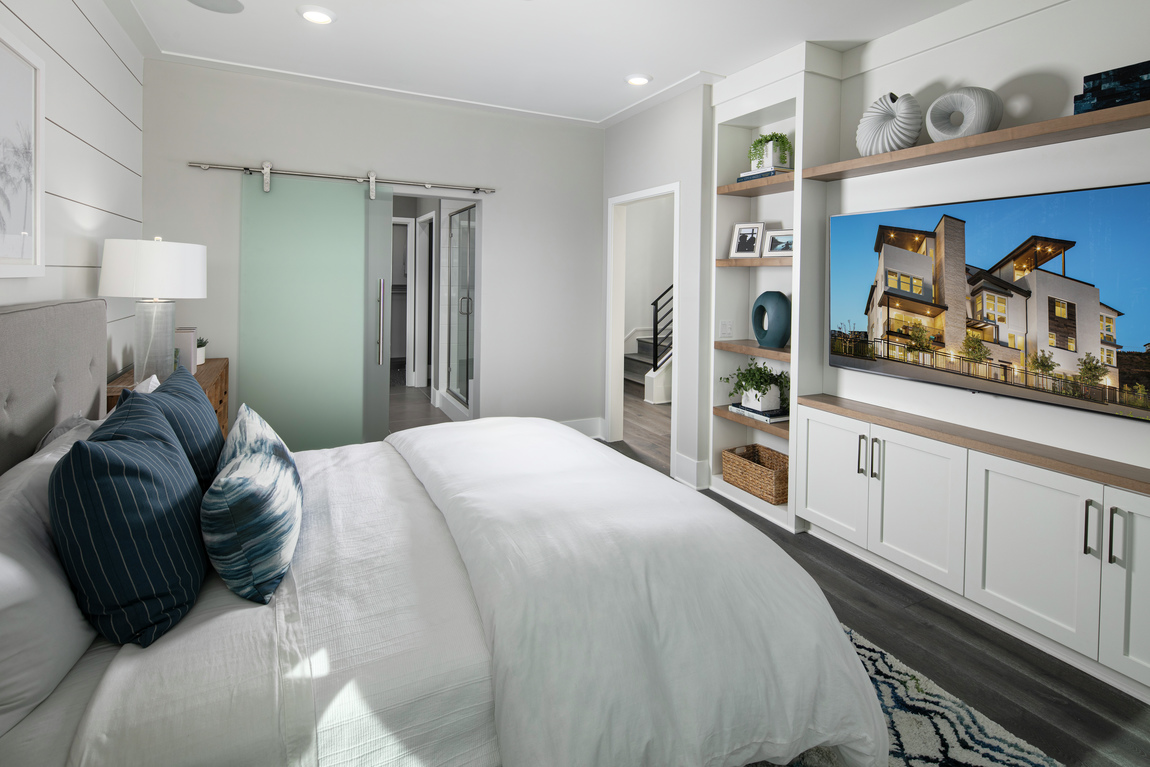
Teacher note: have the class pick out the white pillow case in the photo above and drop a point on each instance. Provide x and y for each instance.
(42, 632)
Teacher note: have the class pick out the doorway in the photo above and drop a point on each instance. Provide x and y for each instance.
(642, 263)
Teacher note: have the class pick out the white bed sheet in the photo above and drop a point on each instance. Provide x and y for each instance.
(371, 651)
(634, 622)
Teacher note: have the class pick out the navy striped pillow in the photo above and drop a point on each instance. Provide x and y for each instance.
(124, 506)
(188, 410)
(251, 514)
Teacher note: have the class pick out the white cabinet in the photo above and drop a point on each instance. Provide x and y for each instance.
(1034, 541)
(1124, 634)
(917, 510)
(901, 496)
(833, 473)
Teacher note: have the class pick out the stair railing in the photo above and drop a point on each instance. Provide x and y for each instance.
(661, 309)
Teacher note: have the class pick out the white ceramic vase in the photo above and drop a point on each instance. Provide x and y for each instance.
(764, 402)
(889, 124)
(201, 354)
(981, 111)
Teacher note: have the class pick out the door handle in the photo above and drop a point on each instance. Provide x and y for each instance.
(379, 343)
(874, 448)
(1110, 554)
(1086, 530)
(862, 455)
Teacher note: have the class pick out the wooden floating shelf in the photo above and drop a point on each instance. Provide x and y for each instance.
(1104, 122)
(778, 429)
(782, 182)
(769, 261)
(752, 348)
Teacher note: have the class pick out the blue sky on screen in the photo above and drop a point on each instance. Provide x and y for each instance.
(1109, 226)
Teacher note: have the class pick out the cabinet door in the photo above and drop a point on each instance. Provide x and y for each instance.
(917, 515)
(1033, 547)
(1124, 632)
(832, 472)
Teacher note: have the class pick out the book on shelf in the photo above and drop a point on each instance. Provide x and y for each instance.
(766, 416)
(762, 174)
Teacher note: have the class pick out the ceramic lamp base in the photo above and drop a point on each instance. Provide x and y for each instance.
(155, 339)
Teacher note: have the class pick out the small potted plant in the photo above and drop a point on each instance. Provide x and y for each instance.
(763, 389)
(771, 150)
(201, 350)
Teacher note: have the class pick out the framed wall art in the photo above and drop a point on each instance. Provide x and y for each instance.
(21, 159)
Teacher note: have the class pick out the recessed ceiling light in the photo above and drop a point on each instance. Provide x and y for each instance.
(639, 79)
(219, 6)
(315, 14)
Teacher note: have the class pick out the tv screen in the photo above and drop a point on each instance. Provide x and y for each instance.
(1045, 297)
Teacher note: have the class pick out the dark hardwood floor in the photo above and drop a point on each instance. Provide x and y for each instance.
(410, 406)
(646, 430)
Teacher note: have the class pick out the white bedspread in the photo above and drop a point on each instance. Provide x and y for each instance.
(633, 621)
(371, 652)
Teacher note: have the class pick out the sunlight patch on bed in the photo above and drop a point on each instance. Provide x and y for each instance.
(315, 667)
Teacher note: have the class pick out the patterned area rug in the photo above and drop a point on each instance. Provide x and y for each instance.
(929, 726)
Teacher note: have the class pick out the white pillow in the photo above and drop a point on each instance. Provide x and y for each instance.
(42, 632)
(74, 421)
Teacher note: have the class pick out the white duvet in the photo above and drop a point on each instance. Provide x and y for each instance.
(632, 621)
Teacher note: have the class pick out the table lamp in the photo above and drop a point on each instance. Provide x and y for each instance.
(154, 272)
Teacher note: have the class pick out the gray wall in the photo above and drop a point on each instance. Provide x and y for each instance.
(542, 258)
(93, 156)
(650, 236)
(666, 144)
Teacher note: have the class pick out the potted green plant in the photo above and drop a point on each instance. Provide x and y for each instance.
(771, 149)
(201, 350)
(761, 387)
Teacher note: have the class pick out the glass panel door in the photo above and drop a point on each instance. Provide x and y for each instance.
(461, 294)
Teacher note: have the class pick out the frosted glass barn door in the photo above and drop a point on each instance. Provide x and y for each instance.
(461, 314)
(309, 282)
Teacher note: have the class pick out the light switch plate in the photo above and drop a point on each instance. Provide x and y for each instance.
(726, 328)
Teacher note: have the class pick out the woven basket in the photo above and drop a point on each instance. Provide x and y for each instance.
(760, 471)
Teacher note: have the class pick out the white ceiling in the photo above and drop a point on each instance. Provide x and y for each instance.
(566, 58)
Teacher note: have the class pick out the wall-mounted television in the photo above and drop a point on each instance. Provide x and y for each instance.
(1044, 297)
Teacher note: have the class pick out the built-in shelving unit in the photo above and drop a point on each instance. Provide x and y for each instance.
(1104, 122)
(778, 429)
(768, 261)
(752, 349)
(783, 182)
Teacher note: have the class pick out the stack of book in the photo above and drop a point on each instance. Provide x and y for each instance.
(764, 172)
(1113, 88)
(766, 416)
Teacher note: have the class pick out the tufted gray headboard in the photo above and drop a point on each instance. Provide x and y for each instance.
(53, 363)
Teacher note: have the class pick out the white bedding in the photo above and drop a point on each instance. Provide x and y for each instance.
(631, 620)
(370, 652)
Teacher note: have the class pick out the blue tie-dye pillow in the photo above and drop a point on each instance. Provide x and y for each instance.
(251, 514)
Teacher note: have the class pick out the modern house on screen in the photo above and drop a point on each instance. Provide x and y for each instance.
(1016, 307)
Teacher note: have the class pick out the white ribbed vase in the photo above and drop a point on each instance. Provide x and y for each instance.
(891, 123)
(981, 111)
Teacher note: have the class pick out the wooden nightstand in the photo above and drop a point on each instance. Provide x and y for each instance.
(212, 376)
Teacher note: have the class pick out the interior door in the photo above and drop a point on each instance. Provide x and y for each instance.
(310, 267)
(461, 297)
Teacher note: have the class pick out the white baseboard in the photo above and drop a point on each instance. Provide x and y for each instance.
(448, 405)
(1030, 637)
(692, 473)
(595, 428)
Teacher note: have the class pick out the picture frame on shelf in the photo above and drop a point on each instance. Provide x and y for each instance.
(747, 240)
(779, 242)
(22, 154)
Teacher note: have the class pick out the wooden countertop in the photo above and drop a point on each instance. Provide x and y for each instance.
(1107, 472)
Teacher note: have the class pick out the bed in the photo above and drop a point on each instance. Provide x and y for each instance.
(498, 592)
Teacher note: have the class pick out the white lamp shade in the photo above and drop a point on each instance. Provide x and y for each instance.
(154, 269)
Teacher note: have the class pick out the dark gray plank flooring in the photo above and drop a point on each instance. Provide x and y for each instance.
(410, 406)
(646, 430)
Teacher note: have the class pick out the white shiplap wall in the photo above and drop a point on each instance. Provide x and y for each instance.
(93, 151)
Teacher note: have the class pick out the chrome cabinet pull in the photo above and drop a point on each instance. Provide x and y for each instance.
(1086, 530)
(1113, 511)
(862, 455)
(874, 448)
